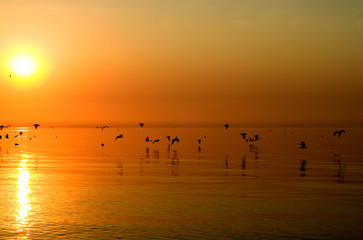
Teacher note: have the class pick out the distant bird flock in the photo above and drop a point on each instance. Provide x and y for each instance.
(172, 141)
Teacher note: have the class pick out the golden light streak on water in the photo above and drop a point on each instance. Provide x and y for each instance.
(23, 202)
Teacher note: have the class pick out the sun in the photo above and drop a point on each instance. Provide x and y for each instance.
(23, 65)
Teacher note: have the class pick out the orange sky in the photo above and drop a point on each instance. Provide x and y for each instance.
(190, 62)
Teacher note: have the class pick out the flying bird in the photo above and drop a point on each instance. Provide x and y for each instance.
(339, 132)
(226, 126)
(36, 125)
(303, 145)
(119, 136)
(243, 135)
(141, 124)
(157, 140)
(176, 139)
(103, 127)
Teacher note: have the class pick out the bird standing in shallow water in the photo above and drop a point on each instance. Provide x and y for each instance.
(36, 125)
(226, 126)
(141, 124)
(303, 145)
(339, 132)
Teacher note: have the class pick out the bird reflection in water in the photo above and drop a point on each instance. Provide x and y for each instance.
(340, 169)
(121, 169)
(243, 167)
(23, 206)
(226, 166)
(147, 155)
(175, 164)
(303, 168)
(156, 154)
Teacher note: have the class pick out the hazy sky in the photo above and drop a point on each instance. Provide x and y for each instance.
(184, 62)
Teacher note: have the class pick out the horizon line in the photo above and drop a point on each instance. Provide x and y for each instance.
(220, 125)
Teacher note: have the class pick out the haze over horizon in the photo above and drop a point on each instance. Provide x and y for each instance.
(184, 63)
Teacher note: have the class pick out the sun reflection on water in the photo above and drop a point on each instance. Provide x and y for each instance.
(23, 206)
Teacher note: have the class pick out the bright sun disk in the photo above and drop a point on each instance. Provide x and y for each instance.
(23, 65)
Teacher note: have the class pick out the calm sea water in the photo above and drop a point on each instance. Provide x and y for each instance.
(61, 183)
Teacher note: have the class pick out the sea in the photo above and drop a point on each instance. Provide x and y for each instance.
(209, 183)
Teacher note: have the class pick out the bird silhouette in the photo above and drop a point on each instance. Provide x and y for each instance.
(16, 144)
(21, 133)
(147, 139)
(168, 137)
(176, 139)
(119, 136)
(141, 124)
(339, 132)
(243, 135)
(303, 145)
(155, 141)
(226, 126)
(257, 137)
(36, 125)
(102, 144)
(199, 140)
(7, 136)
(103, 127)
